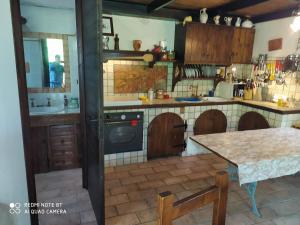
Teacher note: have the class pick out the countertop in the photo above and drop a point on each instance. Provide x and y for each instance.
(165, 103)
(61, 112)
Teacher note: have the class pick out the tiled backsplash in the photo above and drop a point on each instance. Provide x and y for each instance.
(181, 89)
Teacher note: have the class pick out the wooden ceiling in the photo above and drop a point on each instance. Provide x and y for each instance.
(258, 10)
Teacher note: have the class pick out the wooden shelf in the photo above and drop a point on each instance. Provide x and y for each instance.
(118, 55)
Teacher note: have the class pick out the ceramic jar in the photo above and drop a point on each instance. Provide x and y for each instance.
(247, 23)
(238, 22)
(228, 20)
(203, 15)
(217, 19)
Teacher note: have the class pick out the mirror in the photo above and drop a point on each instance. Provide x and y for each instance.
(46, 60)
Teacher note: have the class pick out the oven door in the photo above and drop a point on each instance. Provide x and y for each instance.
(123, 137)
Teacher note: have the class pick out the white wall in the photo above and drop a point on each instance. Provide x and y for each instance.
(13, 186)
(60, 21)
(49, 20)
(275, 29)
(149, 31)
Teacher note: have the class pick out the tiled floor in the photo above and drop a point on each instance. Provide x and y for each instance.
(65, 187)
(131, 193)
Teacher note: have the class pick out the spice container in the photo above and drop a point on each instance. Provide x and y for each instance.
(150, 94)
(159, 94)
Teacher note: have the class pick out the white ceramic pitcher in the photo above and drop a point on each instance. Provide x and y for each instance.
(203, 15)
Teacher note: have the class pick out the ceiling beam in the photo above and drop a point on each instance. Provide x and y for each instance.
(236, 5)
(158, 4)
(274, 15)
(134, 9)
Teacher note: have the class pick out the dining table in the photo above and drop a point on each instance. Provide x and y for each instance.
(253, 155)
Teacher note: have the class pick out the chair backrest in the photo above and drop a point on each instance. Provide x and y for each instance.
(209, 122)
(252, 121)
(170, 210)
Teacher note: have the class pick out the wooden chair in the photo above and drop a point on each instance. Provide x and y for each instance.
(170, 210)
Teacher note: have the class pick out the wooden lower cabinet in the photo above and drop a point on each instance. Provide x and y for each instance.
(166, 136)
(56, 147)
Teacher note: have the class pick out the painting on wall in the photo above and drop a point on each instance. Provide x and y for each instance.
(138, 78)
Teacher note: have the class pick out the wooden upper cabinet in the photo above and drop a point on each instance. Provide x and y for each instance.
(197, 43)
(242, 45)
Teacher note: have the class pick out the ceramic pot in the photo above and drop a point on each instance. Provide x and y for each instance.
(228, 20)
(203, 15)
(217, 19)
(137, 45)
(238, 22)
(247, 23)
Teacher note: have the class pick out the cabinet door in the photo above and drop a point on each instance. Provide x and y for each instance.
(210, 122)
(39, 140)
(196, 43)
(221, 40)
(242, 45)
(165, 136)
(208, 44)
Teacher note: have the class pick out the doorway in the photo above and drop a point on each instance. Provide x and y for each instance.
(56, 147)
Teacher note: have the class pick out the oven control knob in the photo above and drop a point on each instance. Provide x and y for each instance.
(138, 116)
(123, 117)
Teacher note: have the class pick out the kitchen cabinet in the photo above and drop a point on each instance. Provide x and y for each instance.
(166, 136)
(197, 43)
(56, 142)
(242, 45)
(210, 122)
(252, 121)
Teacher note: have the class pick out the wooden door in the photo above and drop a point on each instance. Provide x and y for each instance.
(39, 146)
(89, 14)
(242, 45)
(208, 44)
(196, 43)
(209, 122)
(165, 136)
(221, 39)
(252, 121)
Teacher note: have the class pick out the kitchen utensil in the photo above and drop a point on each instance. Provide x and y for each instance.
(203, 15)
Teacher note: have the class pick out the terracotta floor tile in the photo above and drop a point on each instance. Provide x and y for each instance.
(164, 168)
(132, 180)
(110, 211)
(186, 165)
(141, 171)
(180, 172)
(145, 194)
(118, 175)
(176, 180)
(195, 184)
(126, 167)
(158, 176)
(174, 188)
(197, 176)
(147, 215)
(150, 184)
(112, 183)
(132, 207)
(129, 219)
(123, 189)
(116, 199)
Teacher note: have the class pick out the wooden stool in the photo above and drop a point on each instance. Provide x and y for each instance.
(170, 210)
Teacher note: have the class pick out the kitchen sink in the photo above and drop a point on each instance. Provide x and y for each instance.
(45, 110)
(188, 99)
(215, 99)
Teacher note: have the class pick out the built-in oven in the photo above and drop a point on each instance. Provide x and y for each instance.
(123, 132)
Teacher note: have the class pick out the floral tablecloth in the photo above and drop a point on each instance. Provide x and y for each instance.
(258, 154)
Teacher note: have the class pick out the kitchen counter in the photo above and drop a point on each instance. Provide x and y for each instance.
(166, 103)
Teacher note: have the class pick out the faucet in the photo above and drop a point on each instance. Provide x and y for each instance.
(49, 102)
(32, 102)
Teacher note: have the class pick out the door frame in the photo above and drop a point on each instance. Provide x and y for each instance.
(23, 97)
